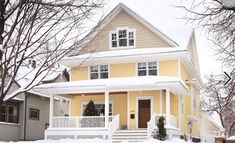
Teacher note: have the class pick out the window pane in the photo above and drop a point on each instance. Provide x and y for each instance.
(12, 114)
(103, 68)
(114, 36)
(141, 65)
(122, 42)
(131, 35)
(94, 75)
(131, 42)
(122, 33)
(152, 72)
(94, 68)
(33, 114)
(152, 65)
(104, 75)
(2, 113)
(114, 43)
(142, 73)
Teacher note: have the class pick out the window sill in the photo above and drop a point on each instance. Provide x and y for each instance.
(116, 48)
(12, 124)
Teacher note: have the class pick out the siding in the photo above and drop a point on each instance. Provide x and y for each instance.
(144, 37)
(9, 132)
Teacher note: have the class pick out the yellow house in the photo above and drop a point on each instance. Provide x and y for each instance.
(134, 74)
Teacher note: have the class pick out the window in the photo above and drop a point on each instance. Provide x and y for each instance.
(12, 114)
(9, 113)
(149, 68)
(122, 38)
(2, 113)
(99, 72)
(101, 108)
(34, 114)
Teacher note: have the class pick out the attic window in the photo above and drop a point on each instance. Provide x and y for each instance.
(122, 38)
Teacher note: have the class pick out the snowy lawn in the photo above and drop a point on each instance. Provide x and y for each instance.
(95, 141)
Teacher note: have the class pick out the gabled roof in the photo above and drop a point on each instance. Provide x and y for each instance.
(121, 7)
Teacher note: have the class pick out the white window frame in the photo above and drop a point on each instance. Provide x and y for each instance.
(147, 70)
(97, 102)
(116, 31)
(89, 71)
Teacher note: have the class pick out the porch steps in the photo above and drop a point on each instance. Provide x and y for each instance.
(129, 135)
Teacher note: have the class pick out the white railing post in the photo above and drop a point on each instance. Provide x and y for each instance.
(168, 106)
(51, 111)
(106, 98)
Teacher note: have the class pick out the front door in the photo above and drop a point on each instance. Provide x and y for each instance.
(144, 112)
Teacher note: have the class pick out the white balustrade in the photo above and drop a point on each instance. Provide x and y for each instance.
(80, 121)
(113, 126)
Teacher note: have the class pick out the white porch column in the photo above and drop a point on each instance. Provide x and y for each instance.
(51, 111)
(106, 99)
(168, 106)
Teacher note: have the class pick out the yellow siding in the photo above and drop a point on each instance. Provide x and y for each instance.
(174, 105)
(80, 73)
(119, 106)
(184, 73)
(144, 37)
(122, 70)
(168, 68)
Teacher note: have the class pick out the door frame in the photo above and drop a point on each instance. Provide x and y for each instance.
(137, 107)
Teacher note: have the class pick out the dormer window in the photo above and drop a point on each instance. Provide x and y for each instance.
(122, 38)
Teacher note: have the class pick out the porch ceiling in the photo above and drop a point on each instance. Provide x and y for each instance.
(174, 84)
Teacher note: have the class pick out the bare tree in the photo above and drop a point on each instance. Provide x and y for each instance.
(218, 19)
(43, 30)
(218, 97)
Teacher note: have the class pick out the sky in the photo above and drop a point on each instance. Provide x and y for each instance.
(167, 18)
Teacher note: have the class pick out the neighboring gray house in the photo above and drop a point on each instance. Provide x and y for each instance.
(26, 116)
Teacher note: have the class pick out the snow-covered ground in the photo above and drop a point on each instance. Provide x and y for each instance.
(96, 141)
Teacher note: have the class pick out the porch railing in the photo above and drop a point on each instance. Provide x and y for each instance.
(152, 124)
(80, 121)
(113, 126)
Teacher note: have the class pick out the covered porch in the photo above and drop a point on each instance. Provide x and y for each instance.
(128, 92)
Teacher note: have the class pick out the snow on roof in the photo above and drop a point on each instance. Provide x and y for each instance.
(126, 52)
(26, 74)
(122, 55)
(115, 84)
(231, 138)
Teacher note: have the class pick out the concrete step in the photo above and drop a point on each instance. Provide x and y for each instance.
(129, 135)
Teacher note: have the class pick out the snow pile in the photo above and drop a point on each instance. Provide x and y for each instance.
(175, 140)
(231, 138)
(65, 141)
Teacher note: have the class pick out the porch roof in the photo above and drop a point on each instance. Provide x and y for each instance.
(175, 84)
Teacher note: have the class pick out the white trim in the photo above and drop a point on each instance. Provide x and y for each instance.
(179, 68)
(137, 107)
(70, 107)
(51, 112)
(11, 124)
(117, 38)
(89, 74)
(128, 110)
(147, 69)
(179, 111)
(160, 105)
(168, 105)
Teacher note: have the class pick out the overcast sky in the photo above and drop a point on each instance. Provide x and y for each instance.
(167, 18)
